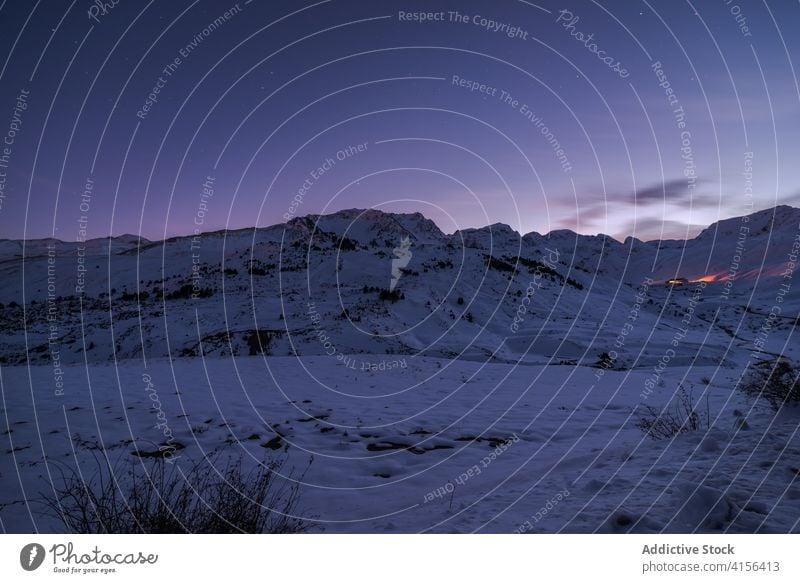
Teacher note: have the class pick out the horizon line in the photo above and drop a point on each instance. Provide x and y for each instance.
(362, 210)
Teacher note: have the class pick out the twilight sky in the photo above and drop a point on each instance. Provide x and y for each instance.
(646, 118)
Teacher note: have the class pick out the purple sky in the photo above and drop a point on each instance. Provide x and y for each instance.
(258, 101)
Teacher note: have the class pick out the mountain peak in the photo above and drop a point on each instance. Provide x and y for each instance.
(758, 221)
(365, 225)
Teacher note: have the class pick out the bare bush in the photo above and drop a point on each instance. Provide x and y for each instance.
(156, 497)
(673, 419)
(776, 381)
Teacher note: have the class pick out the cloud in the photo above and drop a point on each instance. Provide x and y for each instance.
(674, 192)
(643, 228)
(613, 212)
(668, 191)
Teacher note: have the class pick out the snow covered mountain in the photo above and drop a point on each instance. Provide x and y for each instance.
(478, 381)
(321, 284)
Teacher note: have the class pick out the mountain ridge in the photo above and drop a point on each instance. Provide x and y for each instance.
(371, 213)
(370, 282)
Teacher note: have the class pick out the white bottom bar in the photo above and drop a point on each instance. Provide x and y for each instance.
(402, 558)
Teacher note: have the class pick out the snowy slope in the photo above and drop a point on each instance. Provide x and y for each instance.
(500, 372)
(460, 292)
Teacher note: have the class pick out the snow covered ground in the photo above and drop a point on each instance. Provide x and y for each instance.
(438, 446)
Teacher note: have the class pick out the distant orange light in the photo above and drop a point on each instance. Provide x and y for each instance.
(712, 278)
